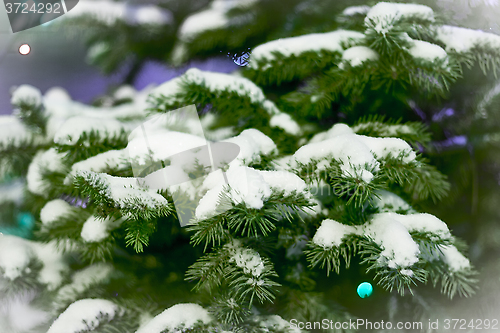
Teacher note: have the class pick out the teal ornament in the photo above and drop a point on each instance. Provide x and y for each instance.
(365, 289)
(25, 220)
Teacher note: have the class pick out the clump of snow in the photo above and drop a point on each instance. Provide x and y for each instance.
(336, 130)
(94, 230)
(284, 181)
(210, 19)
(357, 55)
(27, 94)
(391, 232)
(84, 315)
(357, 153)
(216, 82)
(399, 249)
(54, 264)
(125, 92)
(253, 143)
(246, 185)
(390, 202)
(247, 259)
(331, 233)
(286, 122)
(49, 160)
(384, 14)
(455, 260)
(19, 314)
(427, 51)
(464, 40)
(54, 210)
(383, 129)
(198, 23)
(421, 222)
(15, 255)
(219, 82)
(124, 191)
(150, 14)
(113, 159)
(295, 46)
(187, 314)
(73, 129)
(356, 10)
(13, 131)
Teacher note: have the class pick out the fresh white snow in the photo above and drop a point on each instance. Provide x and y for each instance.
(331, 233)
(13, 131)
(95, 230)
(455, 260)
(28, 94)
(49, 160)
(54, 210)
(427, 51)
(294, 46)
(391, 232)
(286, 122)
(357, 55)
(187, 314)
(354, 10)
(358, 154)
(464, 40)
(212, 18)
(384, 14)
(16, 253)
(84, 315)
(253, 143)
(247, 259)
(73, 129)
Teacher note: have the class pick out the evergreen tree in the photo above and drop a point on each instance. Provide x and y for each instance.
(332, 171)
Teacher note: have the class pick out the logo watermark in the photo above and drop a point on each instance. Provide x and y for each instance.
(170, 152)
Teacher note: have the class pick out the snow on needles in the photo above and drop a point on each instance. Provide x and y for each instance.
(358, 154)
(392, 232)
(426, 51)
(125, 192)
(219, 82)
(54, 210)
(464, 40)
(49, 160)
(95, 229)
(210, 19)
(358, 54)
(73, 128)
(17, 253)
(26, 94)
(85, 315)
(13, 131)
(385, 14)
(295, 46)
(184, 315)
(253, 143)
(247, 185)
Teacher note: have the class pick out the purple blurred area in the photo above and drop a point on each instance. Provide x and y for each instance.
(57, 59)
